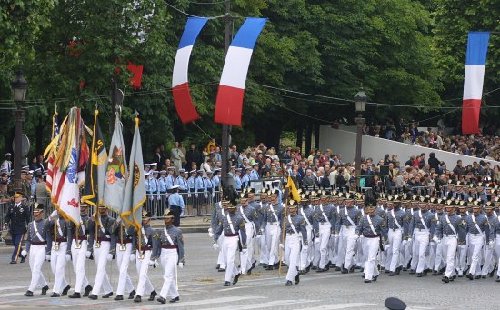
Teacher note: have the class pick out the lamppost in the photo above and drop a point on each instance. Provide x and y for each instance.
(19, 87)
(360, 105)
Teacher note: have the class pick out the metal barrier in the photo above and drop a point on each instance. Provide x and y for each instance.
(196, 204)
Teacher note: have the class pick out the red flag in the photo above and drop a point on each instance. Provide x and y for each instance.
(136, 79)
(184, 104)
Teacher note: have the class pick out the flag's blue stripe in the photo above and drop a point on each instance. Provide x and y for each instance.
(248, 32)
(477, 46)
(192, 30)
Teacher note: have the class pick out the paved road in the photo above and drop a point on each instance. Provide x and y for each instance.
(200, 287)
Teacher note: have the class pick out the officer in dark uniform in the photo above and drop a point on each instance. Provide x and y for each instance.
(17, 218)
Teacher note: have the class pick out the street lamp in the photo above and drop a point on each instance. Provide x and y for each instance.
(19, 87)
(360, 100)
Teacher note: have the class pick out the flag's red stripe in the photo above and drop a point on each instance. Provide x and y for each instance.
(229, 105)
(470, 116)
(184, 104)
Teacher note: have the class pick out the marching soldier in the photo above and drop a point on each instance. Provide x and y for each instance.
(38, 246)
(323, 217)
(373, 228)
(477, 232)
(232, 225)
(143, 241)
(60, 254)
(124, 238)
(295, 234)
(346, 228)
(306, 253)
(489, 261)
(396, 230)
(78, 245)
(462, 241)
(103, 243)
(250, 216)
(420, 227)
(16, 220)
(273, 212)
(495, 235)
(169, 249)
(447, 236)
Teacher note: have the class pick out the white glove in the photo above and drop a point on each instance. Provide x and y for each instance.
(206, 195)
(109, 257)
(356, 236)
(215, 246)
(47, 258)
(132, 257)
(409, 239)
(24, 253)
(152, 263)
(88, 254)
(68, 257)
(435, 239)
(181, 265)
(282, 245)
(491, 244)
(210, 232)
(54, 213)
(305, 247)
(335, 235)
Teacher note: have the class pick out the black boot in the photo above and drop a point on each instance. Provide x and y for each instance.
(236, 277)
(175, 299)
(88, 289)
(470, 276)
(118, 297)
(55, 295)
(93, 297)
(152, 296)
(131, 295)
(288, 283)
(227, 283)
(65, 291)
(497, 280)
(297, 279)
(445, 279)
(75, 295)
(45, 289)
(138, 298)
(161, 300)
(28, 293)
(107, 295)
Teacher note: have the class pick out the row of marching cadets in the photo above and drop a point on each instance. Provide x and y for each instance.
(345, 232)
(103, 239)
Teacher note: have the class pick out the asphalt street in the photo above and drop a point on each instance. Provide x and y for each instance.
(201, 287)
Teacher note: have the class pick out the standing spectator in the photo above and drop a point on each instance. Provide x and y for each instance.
(157, 158)
(177, 157)
(41, 193)
(193, 156)
(434, 162)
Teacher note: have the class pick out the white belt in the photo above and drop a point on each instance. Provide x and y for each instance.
(348, 227)
(325, 223)
(272, 223)
(422, 229)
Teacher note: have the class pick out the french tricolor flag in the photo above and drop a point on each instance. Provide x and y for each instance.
(180, 86)
(229, 101)
(475, 64)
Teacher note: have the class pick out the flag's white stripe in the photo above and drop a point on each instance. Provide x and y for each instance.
(236, 67)
(180, 75)
(474, 80)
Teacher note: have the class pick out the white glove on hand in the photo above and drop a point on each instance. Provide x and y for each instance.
(88, 254)
(215, 246)
(47, 258)
(210, 232)
(152, 263)
(409, 239)
(181, 265)
(24, 253)
(109, 257)
(68, 257)
(435, 239)
(356, 236)
(282, 245)
(491, 244)
(53, 214)
(132, 257)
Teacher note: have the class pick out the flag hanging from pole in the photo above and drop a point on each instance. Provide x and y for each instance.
(229, 101)
(135, 187)
(96, 169)
(71, 155)
(475, 64)
(293, 189)
(116, 169)
(49, 151)
(180, 84)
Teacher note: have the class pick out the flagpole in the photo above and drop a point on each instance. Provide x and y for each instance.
(283, 232)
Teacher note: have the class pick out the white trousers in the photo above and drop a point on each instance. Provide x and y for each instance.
(230, 248)
(36, 259)
(393, 250)
(122, 262)
(489, 261)
(168, 259)
(371, 246)
(350, 245)
(421, 241)
(144, 285)
(449, 247)
(497, 252)
(78, 257)
(476, 243)
(272, 240)
(460, 259)
(292, 255)
(58, 266)
(264, 253)
(101, 283)
(221, 257)
(324, 236)
(306, 254)
(439, 260)
(246, 256)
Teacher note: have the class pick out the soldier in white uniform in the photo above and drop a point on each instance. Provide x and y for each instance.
(295, 235)
(124, 256)
(143, 243)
